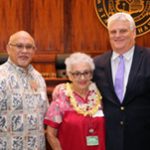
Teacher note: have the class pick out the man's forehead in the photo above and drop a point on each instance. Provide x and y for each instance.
(119, 25)
(21, 36)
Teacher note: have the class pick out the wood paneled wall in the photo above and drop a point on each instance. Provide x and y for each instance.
(58, 26)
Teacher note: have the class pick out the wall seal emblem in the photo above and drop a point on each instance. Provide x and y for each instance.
(139, 9)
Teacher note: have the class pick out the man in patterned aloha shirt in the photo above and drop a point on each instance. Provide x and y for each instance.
(23, 97)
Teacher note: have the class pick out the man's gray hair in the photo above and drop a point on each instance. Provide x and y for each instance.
(121, 16)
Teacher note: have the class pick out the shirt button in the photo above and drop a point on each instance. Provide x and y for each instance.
(121, 122)
(122, 108)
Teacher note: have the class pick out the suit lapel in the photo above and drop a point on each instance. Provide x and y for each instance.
(132, 77)
(132, 80)
(112, 95)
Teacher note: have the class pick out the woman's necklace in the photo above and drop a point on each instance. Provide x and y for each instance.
(94, 100)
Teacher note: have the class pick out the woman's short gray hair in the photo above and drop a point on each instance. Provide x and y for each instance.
(77, 58)
(121, 16)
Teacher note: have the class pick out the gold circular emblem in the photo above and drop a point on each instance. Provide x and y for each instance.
(139, 10)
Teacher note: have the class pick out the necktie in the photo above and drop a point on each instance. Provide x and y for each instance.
(119, 78)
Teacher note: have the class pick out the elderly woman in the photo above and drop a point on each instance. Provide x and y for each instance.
(75, 119)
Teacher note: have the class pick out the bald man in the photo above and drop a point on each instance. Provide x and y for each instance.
(23, 97)
(21, 48)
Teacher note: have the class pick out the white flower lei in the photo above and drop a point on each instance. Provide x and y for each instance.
(94, 100)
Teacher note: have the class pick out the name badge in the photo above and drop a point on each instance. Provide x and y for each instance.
(92, 140)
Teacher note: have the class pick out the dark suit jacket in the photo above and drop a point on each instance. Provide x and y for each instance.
(127, 124)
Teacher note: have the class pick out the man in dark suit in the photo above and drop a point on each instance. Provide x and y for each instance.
(128, 115)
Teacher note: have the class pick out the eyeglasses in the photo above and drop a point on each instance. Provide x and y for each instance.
(87, 74)
(20, 46)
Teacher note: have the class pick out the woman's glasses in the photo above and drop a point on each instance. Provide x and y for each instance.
(77, 75)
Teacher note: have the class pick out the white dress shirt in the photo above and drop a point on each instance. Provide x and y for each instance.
(128, 57)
